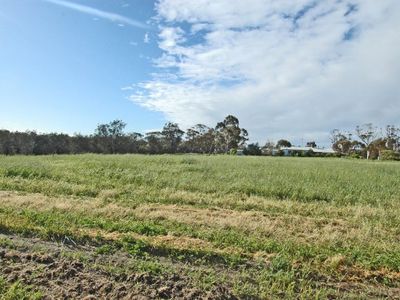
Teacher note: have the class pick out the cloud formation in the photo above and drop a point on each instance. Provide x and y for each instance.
(99, 13)
(293, 69)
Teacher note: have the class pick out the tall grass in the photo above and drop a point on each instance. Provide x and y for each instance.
(337, 181)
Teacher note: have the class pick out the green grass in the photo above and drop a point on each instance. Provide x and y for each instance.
(17, 291)
(293, 224)
(306, 179)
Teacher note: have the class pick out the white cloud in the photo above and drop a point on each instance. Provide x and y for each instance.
(170, 37)
(98, 13)
(294, 69)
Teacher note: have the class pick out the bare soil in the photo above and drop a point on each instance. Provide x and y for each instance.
(46, 266)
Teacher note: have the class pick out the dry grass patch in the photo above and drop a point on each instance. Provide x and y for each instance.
(175, 242)
(300, 226)
(40, 202)
(289, 227)
(380, 216)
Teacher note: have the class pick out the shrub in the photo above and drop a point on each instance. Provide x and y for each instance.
(390, 155)
(232, 151)
(252, 149)
(310, 153)
(354, 155)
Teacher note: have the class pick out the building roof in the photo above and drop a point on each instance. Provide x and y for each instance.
(315, 150)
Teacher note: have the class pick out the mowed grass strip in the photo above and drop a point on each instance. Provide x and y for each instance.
(214, 230)
(269, 217)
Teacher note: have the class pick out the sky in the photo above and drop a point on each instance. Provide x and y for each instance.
(287, 69)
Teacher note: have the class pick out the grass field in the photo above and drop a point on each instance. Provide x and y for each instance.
(199, 226)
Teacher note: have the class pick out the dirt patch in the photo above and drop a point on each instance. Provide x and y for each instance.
(61, 277)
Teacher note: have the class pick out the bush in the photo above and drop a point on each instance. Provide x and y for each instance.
(252, 149)
(233, 151)
(310, 153)
(390, 155)
(354, 155)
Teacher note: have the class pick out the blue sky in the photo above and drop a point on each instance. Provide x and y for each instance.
(287, 69)
(63, 70)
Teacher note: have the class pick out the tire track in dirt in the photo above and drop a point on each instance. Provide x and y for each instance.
(60, 277)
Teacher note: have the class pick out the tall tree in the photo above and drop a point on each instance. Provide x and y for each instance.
(342, 141)
(392, 138)
(367, 133)
(6, 145)
(200, 139)
(110, 133)
(283, 143)
(172, 137)
(154, 141)
(268, 148)
(82, 144)
(229, 135)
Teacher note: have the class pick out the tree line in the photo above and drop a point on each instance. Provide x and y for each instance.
(111, 138)
(366, 141)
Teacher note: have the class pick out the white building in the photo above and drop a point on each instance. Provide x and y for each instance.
(287, 151)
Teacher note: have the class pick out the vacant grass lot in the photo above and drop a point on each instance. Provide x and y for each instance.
(248, 227)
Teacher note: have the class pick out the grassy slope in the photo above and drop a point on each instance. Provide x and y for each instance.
(268, 227)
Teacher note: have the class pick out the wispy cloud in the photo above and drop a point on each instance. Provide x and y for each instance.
(99, 13)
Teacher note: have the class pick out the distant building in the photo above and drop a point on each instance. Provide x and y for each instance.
(239, 152)
(288, 151)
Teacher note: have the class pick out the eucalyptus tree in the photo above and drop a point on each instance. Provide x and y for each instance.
(283, 143)
(392, 138)
(229, 135)
(200, 139)
(154, 140)
(109, 135)
(172, 135)
(367, 133)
